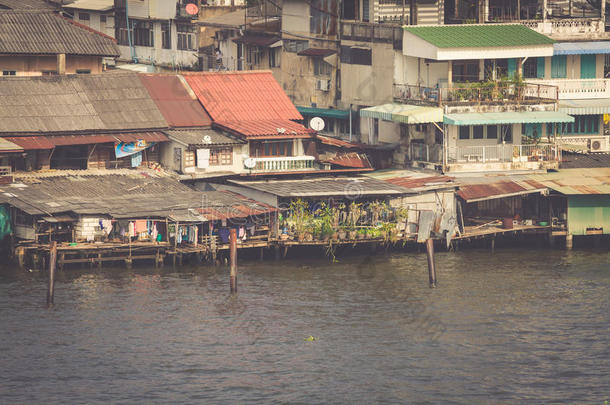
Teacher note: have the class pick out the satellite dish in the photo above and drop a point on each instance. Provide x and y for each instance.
(192, 9)
(316, 123)
(250, 163)
(207, 139)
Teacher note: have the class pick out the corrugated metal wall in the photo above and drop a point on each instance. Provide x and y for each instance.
(430, 12)
(588, 211)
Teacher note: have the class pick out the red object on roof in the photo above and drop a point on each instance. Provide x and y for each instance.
(266, 129)
(352, 159)
(64, 140)
(317, 52)
(174, 101)
(242, 96)
(31, 142)
(141, 136)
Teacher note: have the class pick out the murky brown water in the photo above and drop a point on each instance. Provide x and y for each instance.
(518, 326)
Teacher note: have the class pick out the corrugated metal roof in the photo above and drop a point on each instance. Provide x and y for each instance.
(479, 35)
(581, 48)
(95, 5)
(500, 189)
(404, 113)
(62, 140)
(31, 142)
(266, 129)
(324, 112)
(44, 33)
(27, 5)
(347, 187)
(8, 146)
(490, 118)
(66, 103)
(577, 181)
(584, 160)
(242, 96)
(141, 136)
(179, 108)
(339, 143)
(414, 180)
(352, 159)
(226, 204)
(202, 137)
(585, 107)
(257, 39)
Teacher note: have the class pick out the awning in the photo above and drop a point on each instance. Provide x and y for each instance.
(404, 113)
(324, 112)
(317, 52)
(491, 118)
(141, 136)
(585, 107)
(31, 142)
(581, 48)
(257, 40)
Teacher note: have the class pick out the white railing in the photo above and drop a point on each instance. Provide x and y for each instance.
(569, 27)
(282, 164)
(503, 153)
(5, 170)
(578, 88)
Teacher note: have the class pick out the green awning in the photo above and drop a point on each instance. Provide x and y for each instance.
(491, 118)
(585, 107)
(324, 112)
(404, 113)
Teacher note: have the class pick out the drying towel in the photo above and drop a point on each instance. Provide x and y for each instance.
(141, 226)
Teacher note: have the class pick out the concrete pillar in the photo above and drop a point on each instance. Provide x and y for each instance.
(481, 69)
(544, 6)
(450, 73)
(603, 12)
(61, 64)
(519, 72)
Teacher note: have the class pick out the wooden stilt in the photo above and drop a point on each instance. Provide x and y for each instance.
(52, 260)
(569, 241)
(285, 252)
(493, 244)
(233, 253)
(262, 254)
(99, 261)
(431, 269)
(277, 252)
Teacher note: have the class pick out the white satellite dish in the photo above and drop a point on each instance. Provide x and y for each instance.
(250, 163)
(316, 123)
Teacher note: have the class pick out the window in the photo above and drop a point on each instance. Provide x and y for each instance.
(323, 16)
(166, 35)
(221, 157)
(321, 68)
(84, 16)
(464, 132)
(253, 54)
(507, 133)
(559, 67)
(121, 31)
(186, 36)
(356, 55)
(143, 33)
(607, 65)
(83, 71)
(266, 149)
(274, 57)
(492, 132)
(103, 18)
(49, 72)
(583, 124)
(295, 45)
(9, 73)
(477, 132)
(465, 70)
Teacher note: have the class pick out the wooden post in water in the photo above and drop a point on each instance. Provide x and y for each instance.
(431, 269)
(233, 253)
(493, 244)
(52, 260)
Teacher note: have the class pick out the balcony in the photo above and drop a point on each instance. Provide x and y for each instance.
(494, 157)
(472, 94)
(372, 32)
(569, 28)
(578, 88)
(284, 164)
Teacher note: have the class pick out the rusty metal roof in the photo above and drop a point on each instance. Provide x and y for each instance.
(62, 140)
(414, 180)
(351, 159)
(266, 129)
(339, 143)
(179, 108)
(227, 204)
(31, 142)
(576, 181)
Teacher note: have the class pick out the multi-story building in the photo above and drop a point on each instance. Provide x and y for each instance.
(95, 14)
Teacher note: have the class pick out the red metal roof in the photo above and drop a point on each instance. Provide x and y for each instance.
(327, 140)
(317, 52)
(242, 96)
(31, 142)
(144, 136)
(62, 140)
(174, 101)
(352, 159)
(275, 129)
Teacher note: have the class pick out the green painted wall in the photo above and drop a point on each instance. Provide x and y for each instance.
(588, 211)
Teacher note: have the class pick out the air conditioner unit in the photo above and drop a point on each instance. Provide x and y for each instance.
(323, 85)
(599, 144)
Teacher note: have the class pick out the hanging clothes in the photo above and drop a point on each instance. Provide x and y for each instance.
(223, 234)
(140, 226)
(154, 232)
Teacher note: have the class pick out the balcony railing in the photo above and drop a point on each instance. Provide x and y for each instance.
(372, 32)
(284, 164)
(503, 153)
(568, 27)
(477, 93)
(578, 88)
(426, 153)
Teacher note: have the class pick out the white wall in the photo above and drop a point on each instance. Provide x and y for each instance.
(152, 8)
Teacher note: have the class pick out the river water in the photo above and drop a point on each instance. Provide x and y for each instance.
(517, 326)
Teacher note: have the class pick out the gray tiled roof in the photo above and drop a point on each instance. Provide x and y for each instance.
(26, 5)
(197, 137)
(584, 160)
(45, 33)
(76, 103)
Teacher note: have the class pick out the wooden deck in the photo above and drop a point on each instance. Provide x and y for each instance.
(473, 232)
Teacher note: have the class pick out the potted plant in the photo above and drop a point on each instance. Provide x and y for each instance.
(342, 233)
(301, 217)
(352, 233)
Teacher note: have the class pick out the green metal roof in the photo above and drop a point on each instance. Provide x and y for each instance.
(324, 112)
(479, 36)
(491, 118)
(404, 113)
